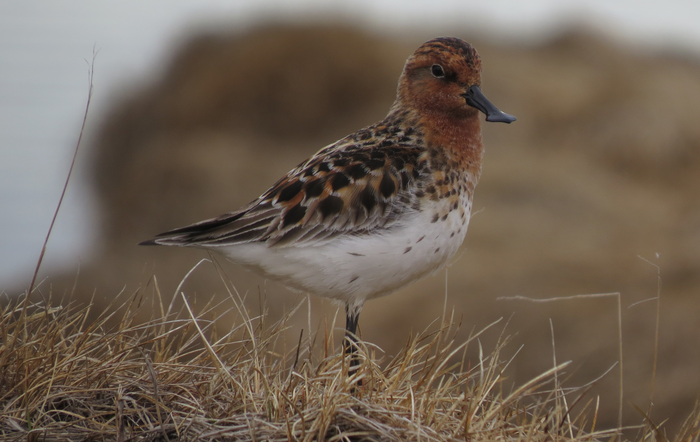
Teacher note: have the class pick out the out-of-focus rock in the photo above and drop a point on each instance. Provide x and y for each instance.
(602, 165)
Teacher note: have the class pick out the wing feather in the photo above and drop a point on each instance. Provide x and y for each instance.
(346, 188)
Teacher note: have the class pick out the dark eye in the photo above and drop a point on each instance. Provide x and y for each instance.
(437, 71)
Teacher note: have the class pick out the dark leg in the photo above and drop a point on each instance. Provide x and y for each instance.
(352, 316)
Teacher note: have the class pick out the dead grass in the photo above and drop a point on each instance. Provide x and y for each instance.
(64, 376)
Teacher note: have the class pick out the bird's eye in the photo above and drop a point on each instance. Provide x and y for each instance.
(437, 71)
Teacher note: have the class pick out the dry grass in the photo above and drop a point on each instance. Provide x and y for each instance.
(65, 376)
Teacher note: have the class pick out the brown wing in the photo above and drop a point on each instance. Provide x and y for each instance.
(344, 189)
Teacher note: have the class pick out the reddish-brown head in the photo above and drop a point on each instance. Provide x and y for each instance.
(443, 77)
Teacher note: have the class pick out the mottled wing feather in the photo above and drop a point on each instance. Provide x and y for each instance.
(347, 188)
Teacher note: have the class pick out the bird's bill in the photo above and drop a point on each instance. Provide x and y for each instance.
(476, 99)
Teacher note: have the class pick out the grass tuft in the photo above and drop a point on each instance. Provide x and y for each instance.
(64, 376)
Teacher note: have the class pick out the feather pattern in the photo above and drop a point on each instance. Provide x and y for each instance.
(352, 187)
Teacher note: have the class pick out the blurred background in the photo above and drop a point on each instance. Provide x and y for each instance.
(199, 107)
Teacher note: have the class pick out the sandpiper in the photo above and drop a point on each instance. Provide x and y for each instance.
(378, 209)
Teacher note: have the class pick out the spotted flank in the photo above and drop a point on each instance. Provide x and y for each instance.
(379, 208)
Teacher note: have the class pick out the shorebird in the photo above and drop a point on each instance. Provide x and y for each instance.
(381, 207)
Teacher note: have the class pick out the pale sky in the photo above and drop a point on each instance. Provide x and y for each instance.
(43, 78)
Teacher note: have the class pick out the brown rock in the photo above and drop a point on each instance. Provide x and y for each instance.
(602, 165)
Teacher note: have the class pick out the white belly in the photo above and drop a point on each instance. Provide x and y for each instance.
(353, 269)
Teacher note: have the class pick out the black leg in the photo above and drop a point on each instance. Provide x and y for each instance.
(352, 316)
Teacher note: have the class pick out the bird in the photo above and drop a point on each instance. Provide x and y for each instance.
(377, 209)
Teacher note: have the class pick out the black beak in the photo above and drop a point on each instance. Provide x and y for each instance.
(476, 99)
